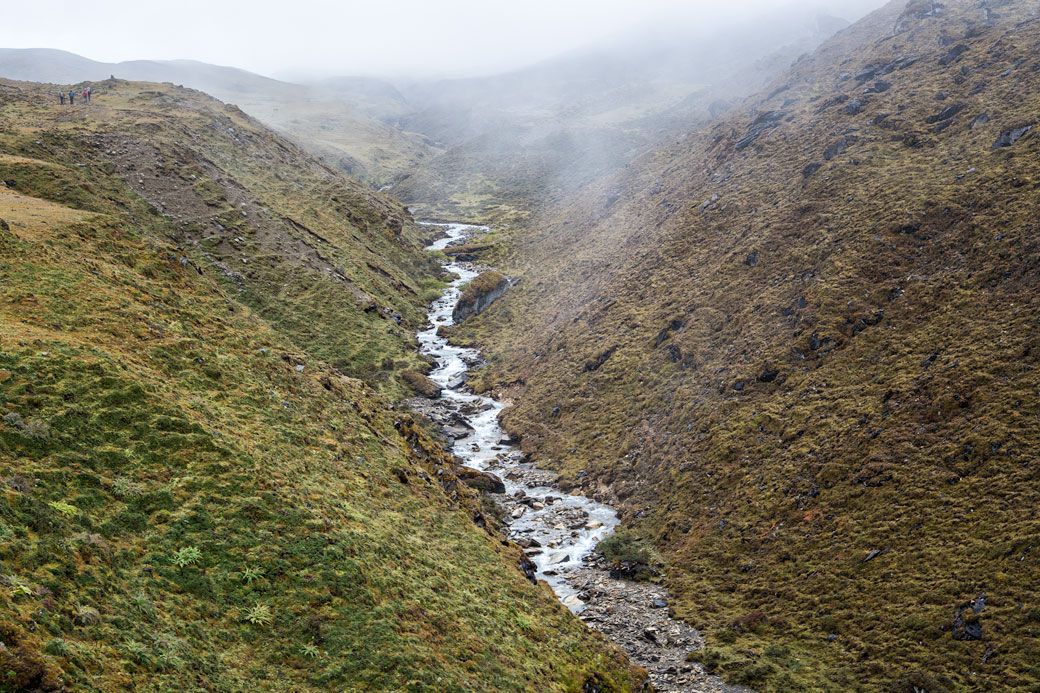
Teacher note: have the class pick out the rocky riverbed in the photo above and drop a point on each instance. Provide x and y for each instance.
(557, 530)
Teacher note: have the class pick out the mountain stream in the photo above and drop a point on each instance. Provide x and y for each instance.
(559, 531)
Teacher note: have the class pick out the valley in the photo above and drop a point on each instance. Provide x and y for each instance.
(560, 531)
(697, 359)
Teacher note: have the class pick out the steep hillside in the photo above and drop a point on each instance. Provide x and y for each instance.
(318, 255)
(345, 121)
(193, 496)
(800, 349)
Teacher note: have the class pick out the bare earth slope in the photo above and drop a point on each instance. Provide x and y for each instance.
(193, 494)
(800, 349)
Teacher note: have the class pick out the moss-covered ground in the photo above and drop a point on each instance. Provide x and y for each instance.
(193, 494)
(805, 365)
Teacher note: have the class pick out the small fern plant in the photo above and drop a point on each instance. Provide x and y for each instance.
(186, 556)
(259, 615)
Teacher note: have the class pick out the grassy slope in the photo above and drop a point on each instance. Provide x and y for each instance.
(328, 125)
(294, 240)
(902, 415)
(181, 507)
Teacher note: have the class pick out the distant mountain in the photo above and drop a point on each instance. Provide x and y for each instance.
(536, 135)
(339, 120)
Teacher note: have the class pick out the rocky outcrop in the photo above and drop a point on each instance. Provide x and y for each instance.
(479, 294)
(420, 384)
(482, 481)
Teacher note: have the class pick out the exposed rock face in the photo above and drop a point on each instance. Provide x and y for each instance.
(1009, 137)
(480, 294)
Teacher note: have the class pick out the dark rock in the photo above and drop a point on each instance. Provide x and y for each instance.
(659, 603)
(752, 259)
(878, 87)
(816, 342)
(529, 569)
(4, 225)
(1009, 137)
(810, 169)
(768, 118)
(854, 107)
(801, 302)
(765, 120)
(673, 326)
(969, 631)
(867, 73)
(599, 359)
(839, 147)
(673, 353)
(946, 113)
(939, 127)
(456, 431)
(631, 570)
(953, 55)
(746, 141)
(977, 89)
(831, 102)
(739, 386)
(768, 376)
(940, 96)
(980, 119)
(872, 555)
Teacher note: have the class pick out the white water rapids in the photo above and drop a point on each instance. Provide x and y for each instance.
(563, 548)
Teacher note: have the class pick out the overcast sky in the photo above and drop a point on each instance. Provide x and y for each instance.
(377, 37)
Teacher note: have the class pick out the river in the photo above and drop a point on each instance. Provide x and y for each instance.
(560, 547)
(558, 531)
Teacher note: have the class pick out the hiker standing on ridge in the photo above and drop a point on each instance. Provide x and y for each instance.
(72, 97)
(88, 94)
(61, 97)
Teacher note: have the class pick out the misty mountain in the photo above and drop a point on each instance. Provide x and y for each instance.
(337, 119)
(616, 82)
(534, 136)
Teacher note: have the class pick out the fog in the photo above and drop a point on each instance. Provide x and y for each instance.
(384, 38)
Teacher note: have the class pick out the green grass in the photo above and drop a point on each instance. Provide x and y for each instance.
(181, 506)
